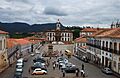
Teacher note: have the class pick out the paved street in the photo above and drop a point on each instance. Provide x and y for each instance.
(91, 71)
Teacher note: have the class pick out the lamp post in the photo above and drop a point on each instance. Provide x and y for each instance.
(50, 50)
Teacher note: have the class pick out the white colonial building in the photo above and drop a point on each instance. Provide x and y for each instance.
(104, 48)
(59, 35)
(87, 31)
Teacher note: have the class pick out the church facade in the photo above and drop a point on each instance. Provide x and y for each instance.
(59, 35)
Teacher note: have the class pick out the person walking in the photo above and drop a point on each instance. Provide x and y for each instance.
(29, 70)
(56, 64)
(77, 72)
(63, 73)
(83, 74)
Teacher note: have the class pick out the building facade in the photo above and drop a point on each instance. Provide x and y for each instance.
(87, 31)
(24, 46)
(80, 47)
(80, 43)
(59, 35)
(104, 48)
(13, 51)
(3, 50)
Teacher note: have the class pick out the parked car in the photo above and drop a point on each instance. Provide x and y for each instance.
(32, 54)
(25, 59)
(71, 69)
(38, 65)
(18, 75)
(107, 70)
(20, 60)
(39, 71)
(19, 69)
(19, 64)
(38, 59)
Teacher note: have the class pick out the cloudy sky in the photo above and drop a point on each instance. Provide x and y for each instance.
(96, 13)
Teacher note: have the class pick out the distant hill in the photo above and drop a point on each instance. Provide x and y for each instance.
(24, 27)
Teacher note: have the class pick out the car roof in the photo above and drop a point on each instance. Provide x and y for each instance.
(38, 69)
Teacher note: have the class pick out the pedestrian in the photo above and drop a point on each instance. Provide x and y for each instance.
(53, 66)
(59, 66)
(29, 70)
(56, 64)
(82, 66)
(63, 73)
(77, 72)
(81, 72)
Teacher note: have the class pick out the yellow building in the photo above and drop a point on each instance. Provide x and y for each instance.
(3, 50)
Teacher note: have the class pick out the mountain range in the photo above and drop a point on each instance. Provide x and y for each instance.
(24, 27)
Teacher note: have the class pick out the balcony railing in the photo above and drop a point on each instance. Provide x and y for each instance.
(93, 45)
(105, 49)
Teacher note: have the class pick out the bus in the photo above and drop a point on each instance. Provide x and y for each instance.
(68, 53)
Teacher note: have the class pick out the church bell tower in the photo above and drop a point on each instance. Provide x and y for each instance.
(58, 25)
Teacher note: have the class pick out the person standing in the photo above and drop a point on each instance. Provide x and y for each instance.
(53, 66)
(82, 66)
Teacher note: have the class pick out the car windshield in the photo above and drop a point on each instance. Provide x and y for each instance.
(38, 70)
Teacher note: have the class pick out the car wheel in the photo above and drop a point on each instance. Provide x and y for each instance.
(45, 73)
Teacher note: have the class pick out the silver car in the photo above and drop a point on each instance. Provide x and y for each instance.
(107, 70)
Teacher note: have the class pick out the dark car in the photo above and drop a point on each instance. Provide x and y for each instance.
(70, 69)
(38, 65)
(25, 59)
(18, 75)
(39, 60)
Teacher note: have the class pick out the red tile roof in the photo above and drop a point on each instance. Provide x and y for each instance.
(98, 32)
(11, 43)
(109, 33)
(3, 32)
(22, 41)
(81, 39)
(89, 30)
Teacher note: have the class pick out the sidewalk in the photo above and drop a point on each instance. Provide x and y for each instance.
(8, 72)
(3, 69)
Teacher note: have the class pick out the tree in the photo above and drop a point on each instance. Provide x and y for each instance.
(76, 33)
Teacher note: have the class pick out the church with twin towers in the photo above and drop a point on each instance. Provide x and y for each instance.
(59, 35)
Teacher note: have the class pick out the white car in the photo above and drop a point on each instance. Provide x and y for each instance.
(20, 60)
(37, 51)
(39, 71)
(32, 54)
(19, 69)
(19, 64)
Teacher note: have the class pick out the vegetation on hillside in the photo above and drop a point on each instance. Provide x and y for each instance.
(22, 35)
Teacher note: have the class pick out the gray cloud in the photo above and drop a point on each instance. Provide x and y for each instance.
(75, 12)
(54, 11)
